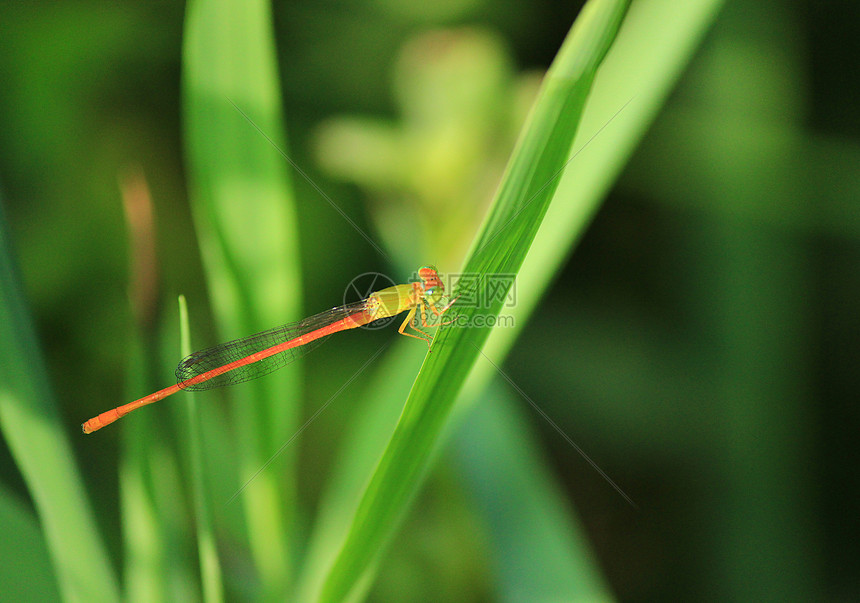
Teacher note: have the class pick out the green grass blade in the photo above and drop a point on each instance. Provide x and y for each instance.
(520, 204)
(243, 212)
(654, 45)
(641, 65)
(210, 566)
(38, 441)
(146, 532)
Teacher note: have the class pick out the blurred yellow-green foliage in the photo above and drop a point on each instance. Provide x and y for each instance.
(701, 344)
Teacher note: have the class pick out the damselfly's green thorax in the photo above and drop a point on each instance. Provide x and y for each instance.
(428, 291)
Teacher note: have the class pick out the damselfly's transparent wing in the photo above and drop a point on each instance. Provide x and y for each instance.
(233, 351)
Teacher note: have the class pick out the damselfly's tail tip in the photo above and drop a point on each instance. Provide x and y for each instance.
(85, 427)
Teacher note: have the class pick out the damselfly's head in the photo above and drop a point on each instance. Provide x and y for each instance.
(431, 281)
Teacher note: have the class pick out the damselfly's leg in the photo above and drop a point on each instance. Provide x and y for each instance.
(441, 311)
(422, 305)
(423, 314)
(408, 322)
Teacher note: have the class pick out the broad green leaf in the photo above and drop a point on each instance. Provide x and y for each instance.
(243, 211)
(26, 572)
(39, 443)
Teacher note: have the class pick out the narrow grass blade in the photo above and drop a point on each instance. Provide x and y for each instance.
(522, 201)
(153, 532)
(654, 44)
(39, 443)
(210, 566)
(146, 532)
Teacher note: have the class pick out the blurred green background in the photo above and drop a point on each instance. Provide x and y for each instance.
(701, 344)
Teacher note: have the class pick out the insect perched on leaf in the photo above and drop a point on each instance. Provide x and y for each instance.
(257, 355)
